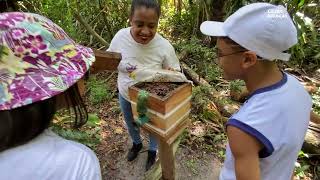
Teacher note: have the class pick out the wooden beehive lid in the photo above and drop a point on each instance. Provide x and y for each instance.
(165, 104)
(105, 61)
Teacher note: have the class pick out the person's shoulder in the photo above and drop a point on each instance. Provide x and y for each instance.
(296, 91)
(258, 106)
(163, 41)
(73, 156)
(295, 83)
(123, 32)
(66, 148)
(77, 149)
(272, 102)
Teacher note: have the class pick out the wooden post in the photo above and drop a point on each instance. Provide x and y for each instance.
(167, 160)
(156, 172)
(81, 87)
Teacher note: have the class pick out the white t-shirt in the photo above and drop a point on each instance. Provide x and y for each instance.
(49, 157)
(157, 54)
(278, 117)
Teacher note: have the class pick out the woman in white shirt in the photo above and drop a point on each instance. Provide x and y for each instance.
(141, 47)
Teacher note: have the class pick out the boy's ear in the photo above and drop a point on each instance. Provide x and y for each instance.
(250, 59)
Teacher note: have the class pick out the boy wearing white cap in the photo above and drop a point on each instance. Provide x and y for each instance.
(267, 133)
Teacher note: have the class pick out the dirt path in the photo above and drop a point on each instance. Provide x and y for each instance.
(190, 165)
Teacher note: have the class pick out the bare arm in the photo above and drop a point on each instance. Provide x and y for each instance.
(245, 150)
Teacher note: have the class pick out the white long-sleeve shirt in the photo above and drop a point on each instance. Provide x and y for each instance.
(49, 157)
(157, 54)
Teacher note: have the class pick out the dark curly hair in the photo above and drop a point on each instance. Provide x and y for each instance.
(145, 3)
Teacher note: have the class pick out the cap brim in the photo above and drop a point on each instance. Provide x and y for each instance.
(212, 28)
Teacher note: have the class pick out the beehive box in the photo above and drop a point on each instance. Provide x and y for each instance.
(168, 106)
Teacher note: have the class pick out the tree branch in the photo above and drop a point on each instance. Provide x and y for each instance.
(90, 30)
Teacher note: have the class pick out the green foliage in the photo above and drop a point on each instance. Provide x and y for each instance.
(306, 52)
(237, 85)
(201, 109)
(192, 165)
(53, 10)
(102, 15)
(178, 25)
(89, 134)
(316, 101)
(99, 91)
(184, 137)
(222, 154)
(302, 165)
(201, 59)
(200, 98)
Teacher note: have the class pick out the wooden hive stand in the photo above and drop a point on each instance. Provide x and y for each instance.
(169, 116)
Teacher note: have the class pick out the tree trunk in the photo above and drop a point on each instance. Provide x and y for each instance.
(8, 6)
(179, 6)
(217, 10)
(312, 139)
(193, 75)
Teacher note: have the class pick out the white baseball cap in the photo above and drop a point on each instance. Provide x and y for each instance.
(263, 28)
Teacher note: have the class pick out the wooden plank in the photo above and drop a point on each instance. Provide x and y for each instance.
(167, 160)
(172, 119)
(163, 105)
(154, 102)
(105, 61)
(178, 96)
(174, 132)
(155, 172)
(160, 122)
(81, 87)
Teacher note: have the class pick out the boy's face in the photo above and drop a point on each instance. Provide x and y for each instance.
(144, 23)
(230, 59)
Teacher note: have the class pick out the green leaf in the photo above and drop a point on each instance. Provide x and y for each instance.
(302, 169)
(301, 3)
(93, 120)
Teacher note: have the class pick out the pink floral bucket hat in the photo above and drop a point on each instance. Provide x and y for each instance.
(37, 59)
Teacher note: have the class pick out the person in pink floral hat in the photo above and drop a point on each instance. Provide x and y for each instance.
(39, 67)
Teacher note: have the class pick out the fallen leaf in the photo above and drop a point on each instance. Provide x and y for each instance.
(118, 131)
